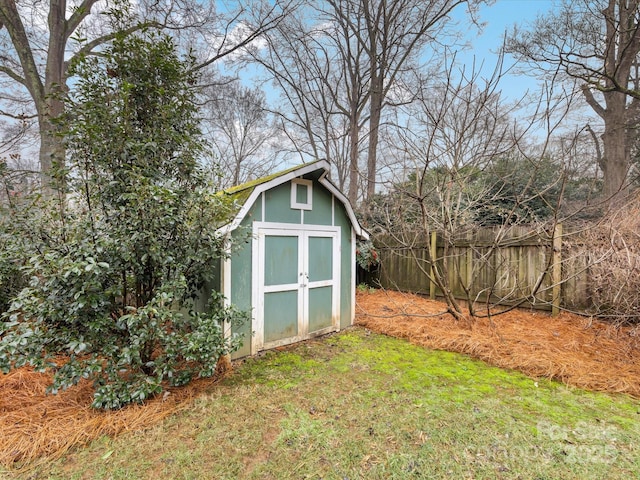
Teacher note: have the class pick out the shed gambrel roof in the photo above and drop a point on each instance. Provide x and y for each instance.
(246, 194)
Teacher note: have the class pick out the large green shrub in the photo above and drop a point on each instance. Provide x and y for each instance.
(114, 271)
(15, 209)
(11, 277)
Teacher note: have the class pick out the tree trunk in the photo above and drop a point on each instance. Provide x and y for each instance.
(52, 154)
(617, 155)
(354, 136)
(377, 98)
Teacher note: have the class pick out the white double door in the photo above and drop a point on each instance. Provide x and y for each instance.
(297, 273)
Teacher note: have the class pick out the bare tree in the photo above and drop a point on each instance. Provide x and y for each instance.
(240, 128)
(467, 167)
(457, 131)
(317, 69)
(610, 252)
(596, 42)
(337, 64)
(395, 31)
(38, 46)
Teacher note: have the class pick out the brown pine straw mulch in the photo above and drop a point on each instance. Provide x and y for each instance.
(578, 351)
(36, 427)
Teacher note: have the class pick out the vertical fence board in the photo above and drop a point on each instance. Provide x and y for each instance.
(556, 272)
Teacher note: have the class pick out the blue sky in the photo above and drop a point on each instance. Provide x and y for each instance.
(503, 14)
(499, 17)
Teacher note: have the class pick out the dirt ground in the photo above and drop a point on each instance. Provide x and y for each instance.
(579, 351)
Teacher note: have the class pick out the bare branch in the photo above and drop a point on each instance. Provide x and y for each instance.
(596, 143)
(20, 117)
(10, 17)
(88, 47)
(12, 74)
(81, 12)
(267, 22)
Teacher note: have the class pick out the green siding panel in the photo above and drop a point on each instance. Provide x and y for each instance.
(281, 260)
(321, 212)
(241, 264)
(211, 284)
(346, 264)
(320, 300)
(281, 315)
(320, 258)
(278, 205)
(241, 293)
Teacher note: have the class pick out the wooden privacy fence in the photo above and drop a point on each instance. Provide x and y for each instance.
(508, 266)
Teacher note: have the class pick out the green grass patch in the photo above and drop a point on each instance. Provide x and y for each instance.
(359, 405)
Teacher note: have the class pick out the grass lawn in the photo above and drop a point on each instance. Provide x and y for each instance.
(360, 405)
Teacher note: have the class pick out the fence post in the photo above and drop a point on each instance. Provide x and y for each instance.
(556, 273)
(433, 255)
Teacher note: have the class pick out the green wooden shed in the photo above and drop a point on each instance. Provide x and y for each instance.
(296, 273)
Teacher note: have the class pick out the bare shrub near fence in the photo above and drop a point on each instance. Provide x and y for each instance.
(612, 248)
